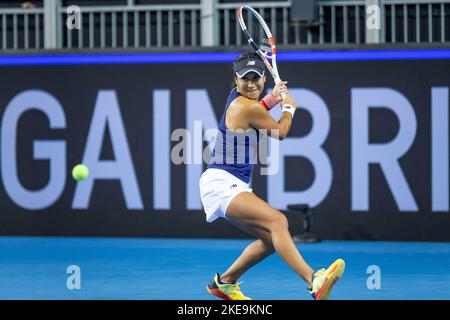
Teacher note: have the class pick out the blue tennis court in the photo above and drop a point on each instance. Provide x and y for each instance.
(135, 268)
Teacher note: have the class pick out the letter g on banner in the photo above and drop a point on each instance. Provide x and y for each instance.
(52, 150)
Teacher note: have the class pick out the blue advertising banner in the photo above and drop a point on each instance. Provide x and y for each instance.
(368, 149)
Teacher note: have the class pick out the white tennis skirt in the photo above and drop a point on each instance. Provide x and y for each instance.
(217, 189)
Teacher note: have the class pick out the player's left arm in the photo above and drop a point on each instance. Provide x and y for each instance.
(274, 98)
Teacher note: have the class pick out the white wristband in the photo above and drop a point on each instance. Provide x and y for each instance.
(288, 108)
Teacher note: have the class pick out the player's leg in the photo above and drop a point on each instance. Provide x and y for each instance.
(226, 286)
(256, 216)
(254, 253)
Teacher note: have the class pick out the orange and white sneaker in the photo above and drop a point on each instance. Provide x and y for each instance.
(226, 291)
(323, 280)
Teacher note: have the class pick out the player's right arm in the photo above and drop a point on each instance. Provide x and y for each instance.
(259, 118)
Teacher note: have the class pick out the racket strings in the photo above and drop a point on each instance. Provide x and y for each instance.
(257, 33)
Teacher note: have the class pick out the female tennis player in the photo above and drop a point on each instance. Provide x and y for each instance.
(225, 191)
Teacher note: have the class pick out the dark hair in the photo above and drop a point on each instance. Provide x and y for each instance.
(243, 56)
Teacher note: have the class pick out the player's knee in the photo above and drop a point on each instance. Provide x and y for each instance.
(280, 222)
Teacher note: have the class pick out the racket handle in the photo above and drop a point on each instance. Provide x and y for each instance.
(282, 94)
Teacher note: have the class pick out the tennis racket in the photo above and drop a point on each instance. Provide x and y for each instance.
(260, 39)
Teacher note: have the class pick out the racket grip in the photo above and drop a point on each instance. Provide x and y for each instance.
(282, 94)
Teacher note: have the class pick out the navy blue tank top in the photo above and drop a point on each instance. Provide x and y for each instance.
(234, 151)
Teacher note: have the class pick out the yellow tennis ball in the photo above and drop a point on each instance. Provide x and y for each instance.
(80, 172)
